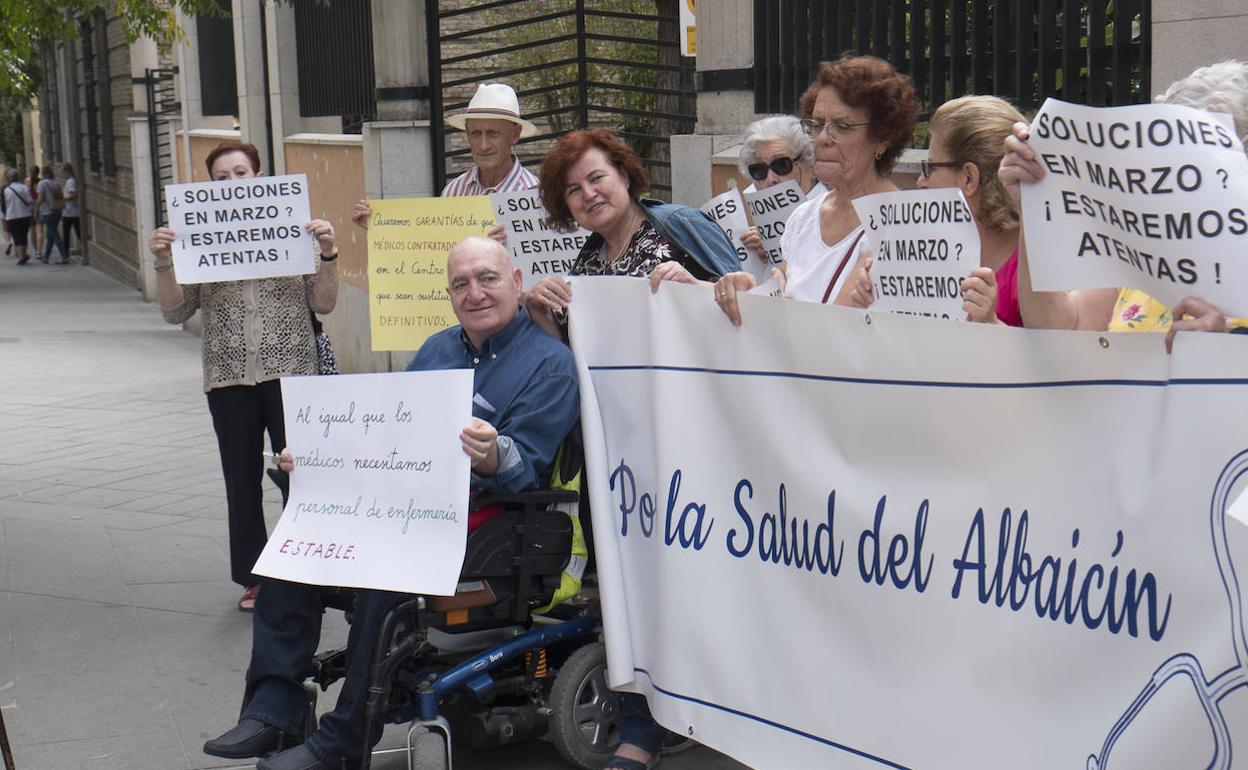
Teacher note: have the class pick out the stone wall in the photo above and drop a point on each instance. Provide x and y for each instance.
(1188, 35)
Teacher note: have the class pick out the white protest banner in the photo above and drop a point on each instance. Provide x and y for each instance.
(240, 228)
(728, 211)
(1151, 197)
(858, 582)
(379, 494)
(927, 242)
(770, 209)
(536, 248)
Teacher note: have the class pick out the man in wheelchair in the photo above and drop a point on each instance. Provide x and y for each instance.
(525, 402)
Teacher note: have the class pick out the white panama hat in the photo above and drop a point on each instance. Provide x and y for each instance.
(493, 101)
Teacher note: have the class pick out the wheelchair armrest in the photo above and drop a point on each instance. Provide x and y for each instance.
(535, 497)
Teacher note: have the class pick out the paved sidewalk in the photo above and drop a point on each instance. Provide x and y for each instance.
(119, 643)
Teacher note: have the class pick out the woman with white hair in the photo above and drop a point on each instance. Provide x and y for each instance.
(1221, 87)
(777, 150)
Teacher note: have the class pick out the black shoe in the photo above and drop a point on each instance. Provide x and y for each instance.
(299, 758)
(249, 738)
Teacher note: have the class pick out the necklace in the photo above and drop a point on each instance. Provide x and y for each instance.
(633, 226)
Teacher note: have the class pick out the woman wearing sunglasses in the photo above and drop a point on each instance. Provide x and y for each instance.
(777, 150)
(860, 114)
(967, 142)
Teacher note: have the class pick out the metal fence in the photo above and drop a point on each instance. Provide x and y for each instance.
(163, 112)
(1090, 51)
(334, 42)
(574, 64)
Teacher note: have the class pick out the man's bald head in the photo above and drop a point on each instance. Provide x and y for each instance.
(479, 244)
(484, 287)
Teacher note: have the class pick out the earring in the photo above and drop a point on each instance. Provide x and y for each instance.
(879, 155)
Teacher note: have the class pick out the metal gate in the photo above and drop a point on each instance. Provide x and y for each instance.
(574, 64)
(163, 111)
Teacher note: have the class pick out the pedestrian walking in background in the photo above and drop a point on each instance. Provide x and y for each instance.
(36, 227)
(70, 212)
(51, 203)
(18, 207)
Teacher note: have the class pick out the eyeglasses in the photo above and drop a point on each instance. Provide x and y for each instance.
(781, 165)
(926, 166)
(835, 129)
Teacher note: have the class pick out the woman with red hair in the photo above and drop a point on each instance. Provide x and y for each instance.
(255, 331)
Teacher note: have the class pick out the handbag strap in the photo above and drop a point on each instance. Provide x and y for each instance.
(841, 268)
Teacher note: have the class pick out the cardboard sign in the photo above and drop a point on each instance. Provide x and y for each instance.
(926, 242)
(770, 209)
(536, 248)
(1150, 197)
(408, 240)
(240, 228)
(379, 494)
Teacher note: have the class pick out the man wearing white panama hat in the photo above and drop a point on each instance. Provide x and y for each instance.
(493, 124)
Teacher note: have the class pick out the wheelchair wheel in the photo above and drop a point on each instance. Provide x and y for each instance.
(583, 723)
(429, 751)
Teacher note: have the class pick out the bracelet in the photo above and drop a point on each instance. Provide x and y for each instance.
(329, 257)
(163, 268)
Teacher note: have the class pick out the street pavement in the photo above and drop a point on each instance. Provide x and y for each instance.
(120, 644)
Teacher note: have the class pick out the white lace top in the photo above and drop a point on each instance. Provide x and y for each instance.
(254, 331)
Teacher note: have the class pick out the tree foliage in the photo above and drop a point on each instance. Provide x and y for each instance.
(28, 26)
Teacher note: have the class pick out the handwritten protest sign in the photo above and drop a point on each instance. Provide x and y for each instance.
(408, 240)
(770, 209)
(1151, 197)
(240, 228)
(536, 248)
(927, 243)
(728, 211)
(379, 494)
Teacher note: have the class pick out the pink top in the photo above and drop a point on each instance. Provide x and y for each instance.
(1007, 292)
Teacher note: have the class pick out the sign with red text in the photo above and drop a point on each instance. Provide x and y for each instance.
(770, 209)
(240, 228)
(926, 242)
(1151, 197)
(851, 584)
(536, 248)
(379, 493)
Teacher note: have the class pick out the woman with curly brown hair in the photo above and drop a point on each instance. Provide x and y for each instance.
(592, 178)
(860, 113)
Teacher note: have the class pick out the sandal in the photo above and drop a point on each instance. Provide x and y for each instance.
(248, 602)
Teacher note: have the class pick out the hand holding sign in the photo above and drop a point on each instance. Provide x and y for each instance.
(926, 242)
(728, 211)
(379, 481)
(771, 209)
(240, 228)
(1147, 196)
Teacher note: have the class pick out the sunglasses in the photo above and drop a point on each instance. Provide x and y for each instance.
(782, 166)
(925, 166)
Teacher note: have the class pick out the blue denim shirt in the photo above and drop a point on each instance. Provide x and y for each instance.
(525, 386)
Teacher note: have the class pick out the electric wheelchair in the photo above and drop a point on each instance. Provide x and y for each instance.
(509, 657)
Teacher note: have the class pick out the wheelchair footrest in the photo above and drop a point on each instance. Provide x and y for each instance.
(329, 666)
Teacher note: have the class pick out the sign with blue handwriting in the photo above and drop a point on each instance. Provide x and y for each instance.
(379, 493)
(939, 546)
(240, 228)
